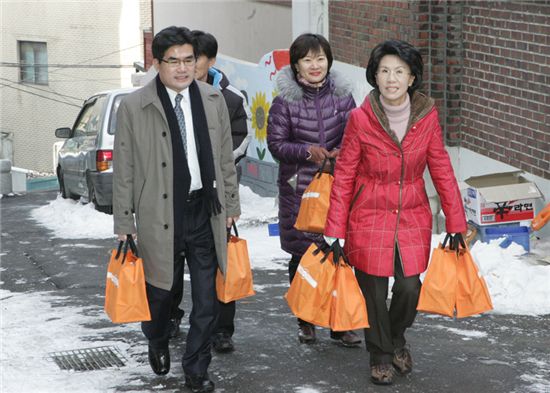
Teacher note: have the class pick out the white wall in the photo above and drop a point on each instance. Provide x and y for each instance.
(310, 16)
(245, 29)
(76, 33)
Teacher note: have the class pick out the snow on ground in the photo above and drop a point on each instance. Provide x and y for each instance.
(518, 283)
(33, 326)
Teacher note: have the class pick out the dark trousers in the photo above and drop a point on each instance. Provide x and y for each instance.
(226, 316)
(293, 266)
(194, 244)
(387, 327)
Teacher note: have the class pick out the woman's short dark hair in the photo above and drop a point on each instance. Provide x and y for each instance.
(168, 37)
(405, 51)
(305, 43)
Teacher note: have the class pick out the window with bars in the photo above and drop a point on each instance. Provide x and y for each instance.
(33, 60)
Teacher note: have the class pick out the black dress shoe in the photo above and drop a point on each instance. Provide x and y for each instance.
(223, 343)
(199, 384)
(348, 338)
(174, 327)
(159, 359)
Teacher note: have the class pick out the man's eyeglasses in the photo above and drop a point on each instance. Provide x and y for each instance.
(173, 62)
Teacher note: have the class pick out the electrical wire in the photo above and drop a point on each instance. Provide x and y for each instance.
(63, 66)
(39, 95)
(37, 88)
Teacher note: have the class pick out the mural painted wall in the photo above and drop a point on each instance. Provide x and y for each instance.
(257, 82)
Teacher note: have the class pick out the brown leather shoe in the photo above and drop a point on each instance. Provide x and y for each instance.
(306, 333)
(382, 374)
(348, 338)
(402, 360)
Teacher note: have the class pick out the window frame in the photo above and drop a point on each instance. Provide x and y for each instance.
(35, 73)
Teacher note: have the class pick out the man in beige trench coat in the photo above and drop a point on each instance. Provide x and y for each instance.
(175, 188)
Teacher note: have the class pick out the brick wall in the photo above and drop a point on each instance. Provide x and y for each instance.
(506, 83)
(147, 49)
(355, 27)
(487, 65)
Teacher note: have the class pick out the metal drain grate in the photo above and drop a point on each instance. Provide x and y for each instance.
(88, 359)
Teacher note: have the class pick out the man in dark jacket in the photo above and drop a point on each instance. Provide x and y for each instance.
(239, 114)
(206, 48)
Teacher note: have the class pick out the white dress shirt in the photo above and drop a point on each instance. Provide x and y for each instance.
(192, 157)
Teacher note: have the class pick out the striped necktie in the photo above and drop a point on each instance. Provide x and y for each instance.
(181, 122)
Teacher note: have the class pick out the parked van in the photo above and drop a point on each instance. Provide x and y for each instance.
(85, 161)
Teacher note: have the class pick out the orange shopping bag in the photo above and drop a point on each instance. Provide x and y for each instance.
(438, 292)
(349, 310)
(237, 282)
(312, 215)
(125, 295)
(472, 295)
(309, 296)
(541, 219)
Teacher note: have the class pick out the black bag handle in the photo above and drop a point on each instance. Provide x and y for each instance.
(332, 161)
(456, 242)
(335, 248)
(234, 226)
(123, 246)
(448, 238)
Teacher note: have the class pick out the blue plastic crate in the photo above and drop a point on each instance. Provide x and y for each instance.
(516, 234)
(273, 229)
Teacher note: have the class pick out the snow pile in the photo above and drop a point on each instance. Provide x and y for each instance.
(69, 219)
(517, 284)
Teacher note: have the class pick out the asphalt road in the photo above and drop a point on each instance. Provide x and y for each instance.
(488, 353)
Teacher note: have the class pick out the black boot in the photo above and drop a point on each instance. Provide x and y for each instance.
(223, 343)
(306, 332)
(199, 384)
(348, 338)
(174, 327)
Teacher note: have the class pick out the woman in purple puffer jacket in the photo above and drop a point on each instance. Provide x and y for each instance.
(305, 125)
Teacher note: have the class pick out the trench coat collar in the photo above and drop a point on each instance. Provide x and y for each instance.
(149, 96)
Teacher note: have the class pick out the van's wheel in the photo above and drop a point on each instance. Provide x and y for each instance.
(108, 209)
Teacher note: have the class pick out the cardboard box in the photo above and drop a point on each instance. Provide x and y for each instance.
(499, 198)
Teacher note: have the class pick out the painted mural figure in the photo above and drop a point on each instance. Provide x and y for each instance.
(305, 125)
(387, 230)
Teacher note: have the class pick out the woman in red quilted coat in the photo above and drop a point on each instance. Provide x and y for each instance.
(379, 206)
(305, 125)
